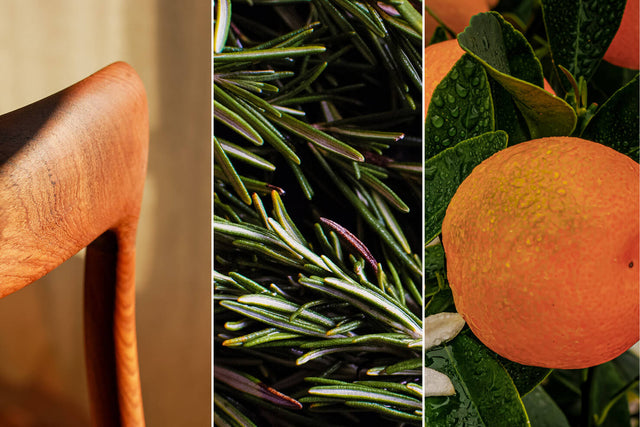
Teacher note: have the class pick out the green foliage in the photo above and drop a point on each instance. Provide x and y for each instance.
(485, 394)
(461, 107)
(543, 411)
(615, 123)
(579, 33)
(510, 60)
(317, 295)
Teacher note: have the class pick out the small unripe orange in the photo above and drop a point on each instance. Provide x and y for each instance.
(541, 242)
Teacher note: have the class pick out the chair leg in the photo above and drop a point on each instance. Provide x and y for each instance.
(110, 334)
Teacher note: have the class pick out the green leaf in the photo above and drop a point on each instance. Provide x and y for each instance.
(299, 84)
(607, 79)
(248, 231)
(245, 95)
(301, 179)
(251, 184)
(545, 114)
(272, 318)
(362, 15)
(317, 137)
(409, 13)
(502, 48)
(507, 115)
(253, 386)
(405, 365)
(315, 354)
(439, 35)
(461, 107)
(615, 124)
(267, 54)
(371, 299)
(373, 303)
(434, 258)
(295, 245)
(283, 218)
(294, 38)
(542, 410)
(383, 190)
(364, 393)
(232, 411)
(580, 32)
(223, 22)
(341, 24)
(247, 283)
(373, 222)
(235, 122)
(237, 152)
(446, 171)
(281, 305)
(230, 172)
(608, 408)
(386, 339)
(525, 378)
(265, 405)
(386, 411)
(392, 224)
(401, 25)
(627, 365)
(510, 60)
(518, 11)
(257, 122)
(485, 394)
(442, 301)
(255, 75)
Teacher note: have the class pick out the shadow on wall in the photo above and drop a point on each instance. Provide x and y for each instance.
(22, 407)
(42, 363)
(174, 303)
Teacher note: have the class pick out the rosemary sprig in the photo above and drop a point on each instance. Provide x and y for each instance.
(321, 281)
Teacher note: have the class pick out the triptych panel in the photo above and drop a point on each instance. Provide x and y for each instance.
(425, 213)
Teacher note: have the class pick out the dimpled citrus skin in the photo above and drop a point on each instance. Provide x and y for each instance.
(541, 242)
(625, 47)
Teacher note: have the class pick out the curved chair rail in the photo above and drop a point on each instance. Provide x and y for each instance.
(72, 169)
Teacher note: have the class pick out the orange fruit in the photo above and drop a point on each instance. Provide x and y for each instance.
(541, 242)
(455, 14)
(439, 58)
(624, 49)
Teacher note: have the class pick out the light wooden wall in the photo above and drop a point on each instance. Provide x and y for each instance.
(44, 47)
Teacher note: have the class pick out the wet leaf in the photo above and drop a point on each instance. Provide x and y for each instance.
(461, 107)
(542, 410)
(615, 124)
(485, 394)
(580, 32)
(509, 59)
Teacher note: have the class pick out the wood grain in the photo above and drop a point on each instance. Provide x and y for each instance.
(72, 170)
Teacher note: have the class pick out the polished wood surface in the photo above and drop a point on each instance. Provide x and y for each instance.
(72, 170)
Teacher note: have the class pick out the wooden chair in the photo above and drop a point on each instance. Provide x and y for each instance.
(72, 169)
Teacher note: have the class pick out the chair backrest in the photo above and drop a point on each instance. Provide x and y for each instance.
(72, 169)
